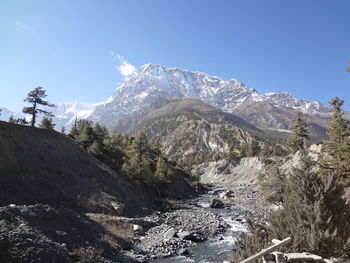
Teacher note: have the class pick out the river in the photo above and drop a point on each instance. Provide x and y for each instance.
(219, 248)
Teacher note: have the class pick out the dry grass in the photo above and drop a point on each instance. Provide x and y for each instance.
(119, 232)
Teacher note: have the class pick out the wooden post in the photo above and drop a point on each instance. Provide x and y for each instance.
(267, 250)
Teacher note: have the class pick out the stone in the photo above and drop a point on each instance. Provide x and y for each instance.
(118, 207)
(227, 194)
(138, 229)
(61, 233)
(216, 203)
(184, 252)
(184, 234)
(170, 233)
(28, 212)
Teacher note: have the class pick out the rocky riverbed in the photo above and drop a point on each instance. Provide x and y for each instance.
(196, 232)
(202, 229)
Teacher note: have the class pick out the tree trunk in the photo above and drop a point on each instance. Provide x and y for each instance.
(34, 114)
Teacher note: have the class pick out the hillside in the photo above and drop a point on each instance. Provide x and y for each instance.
(192, 129)
(41, 166)
(278, 120)
(54, 197)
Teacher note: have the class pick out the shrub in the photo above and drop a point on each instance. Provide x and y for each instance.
(313, 214)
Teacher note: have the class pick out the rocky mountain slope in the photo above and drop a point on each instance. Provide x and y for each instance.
(142, 93)
(191, 129)
(277, 120)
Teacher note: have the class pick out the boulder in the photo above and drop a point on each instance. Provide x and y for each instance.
(227, 194)
(184, 252)
(170, 233)
(137, 229)
(216, 203)
(118, 207)
(184, 235)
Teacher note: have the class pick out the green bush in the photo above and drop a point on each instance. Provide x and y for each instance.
(313, 214)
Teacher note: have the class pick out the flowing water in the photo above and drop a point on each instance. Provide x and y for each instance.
(219, 248)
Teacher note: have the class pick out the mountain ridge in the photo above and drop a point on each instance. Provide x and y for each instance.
(152, 85)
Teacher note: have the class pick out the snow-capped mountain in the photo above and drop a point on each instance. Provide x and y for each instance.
(152, 86)
(225, 94)
(135, 95)
(5, 114)
(287, 100)
(65, 113)
(157, 79)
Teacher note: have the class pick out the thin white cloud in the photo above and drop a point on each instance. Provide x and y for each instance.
(125, 68)
(20, 26)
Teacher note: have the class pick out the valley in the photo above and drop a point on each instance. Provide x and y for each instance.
(82, 209)
(174, 131)
(176, 166)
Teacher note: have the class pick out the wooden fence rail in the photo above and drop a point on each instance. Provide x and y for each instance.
(267, 250)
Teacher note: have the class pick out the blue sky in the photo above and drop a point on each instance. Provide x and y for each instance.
(299, 46)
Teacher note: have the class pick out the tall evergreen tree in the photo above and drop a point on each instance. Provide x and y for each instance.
(155, 145)
(100, 133)
(139, 146)
(299, 133)
(47, 123)
(35, 97)
(83, 133)
(336, 151)
(161, 169)
(138, 164)
(74, 129)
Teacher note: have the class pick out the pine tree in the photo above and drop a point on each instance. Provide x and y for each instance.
(244, 151)
(313, 214)
(253, 148)
(299, 133)
(336, 151)
(47, 123)
(231, 154)
(74, 130)
(35, 97)
(138, 162)
(139, 146)
(85, 133)
(100, 133)
(161, 170)
(155, 145)
(95, 149)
